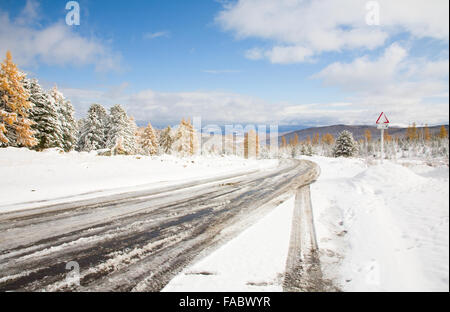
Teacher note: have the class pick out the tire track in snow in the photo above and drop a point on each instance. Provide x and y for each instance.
(135, 242)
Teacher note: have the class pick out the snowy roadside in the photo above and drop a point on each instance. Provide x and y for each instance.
(253, 261)
(31, 176)
(383, 227)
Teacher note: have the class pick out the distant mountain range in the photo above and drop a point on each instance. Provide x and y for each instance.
(357, 131)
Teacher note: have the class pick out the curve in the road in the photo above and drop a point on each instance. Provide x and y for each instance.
(133, 241)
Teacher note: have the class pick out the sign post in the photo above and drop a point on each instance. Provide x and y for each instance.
(382, 124)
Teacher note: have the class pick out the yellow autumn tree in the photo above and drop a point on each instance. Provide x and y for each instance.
(387, 136)
(316, 139)
(149, 141)
(192, 138)
(443, 134)
(426, 134)
(368, 135)
(283, 141)
(295, 143)
(14, 106)
(308, 140)
(327, 139)
(251, 144)
(411, 132)
(186, 142)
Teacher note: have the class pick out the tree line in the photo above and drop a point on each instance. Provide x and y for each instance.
(38, 119)
(415, 143)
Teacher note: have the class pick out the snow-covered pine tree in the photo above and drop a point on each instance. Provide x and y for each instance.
(69, 126)
(120, 138)
(166, 140)
(131, 137)
(80, 127)
(44, 114)
(182, 140)
(148, 141)
(15, 125)
(66, 118)
(345, 145)
(92, 135)
(186, 143)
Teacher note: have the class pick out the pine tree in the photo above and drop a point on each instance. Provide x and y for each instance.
(45, 117)
(345, 145)
(185, 143)
(66, 118)
(166, 140)
(148, 141)
(131, 137)
(93, 132)
(15, 126)
(120, 138)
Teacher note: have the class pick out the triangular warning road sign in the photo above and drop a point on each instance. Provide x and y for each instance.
(380, 119)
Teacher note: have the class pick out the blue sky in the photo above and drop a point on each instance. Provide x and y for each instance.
(286, 62)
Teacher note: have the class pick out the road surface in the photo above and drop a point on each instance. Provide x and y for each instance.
(135, 241)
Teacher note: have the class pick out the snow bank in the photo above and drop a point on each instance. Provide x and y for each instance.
(253, 261)
(383, 227)
(33, 176)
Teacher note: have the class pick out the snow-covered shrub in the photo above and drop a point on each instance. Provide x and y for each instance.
(345, 145)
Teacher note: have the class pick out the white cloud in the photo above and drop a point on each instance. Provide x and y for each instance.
(408, 87)
(155, 35)
(281, 54)
(303, 28)
(224, 107)
(56, 44)
(393, 73)
(286, 55)
(363, 73)
(213, 106)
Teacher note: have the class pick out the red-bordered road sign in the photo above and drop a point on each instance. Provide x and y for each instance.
(379, 120)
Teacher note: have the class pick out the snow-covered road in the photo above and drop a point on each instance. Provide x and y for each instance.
(136, 240)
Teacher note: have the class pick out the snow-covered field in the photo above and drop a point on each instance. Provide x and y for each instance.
(31, 176)
(383, 227)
